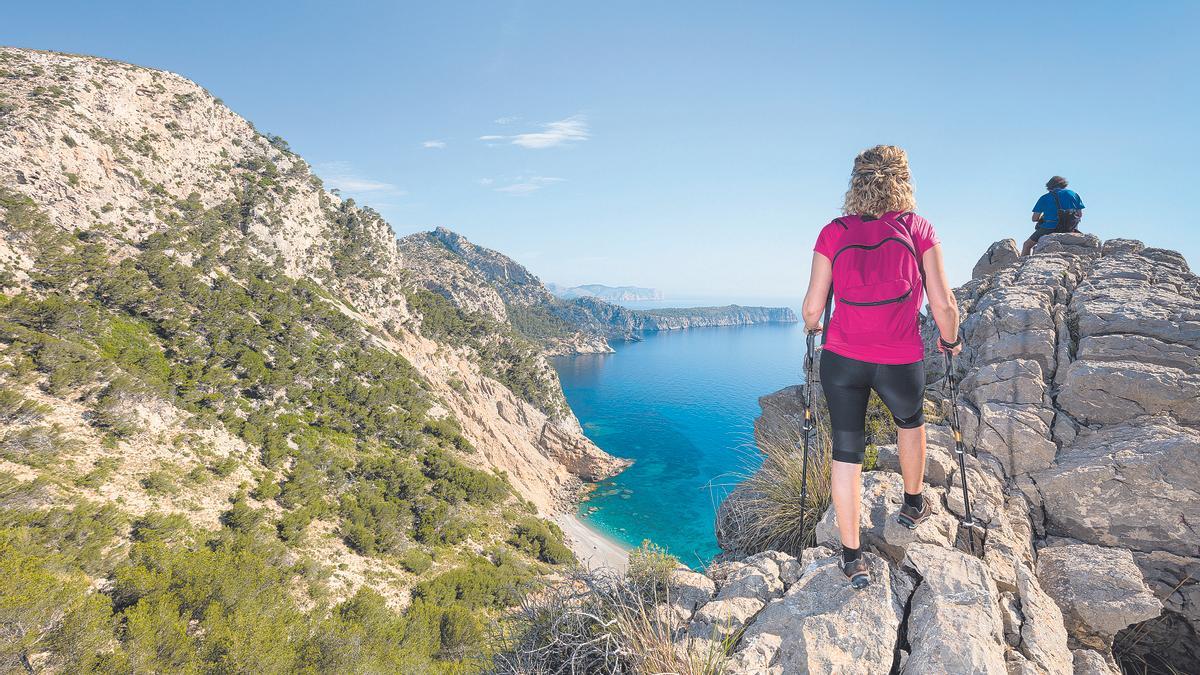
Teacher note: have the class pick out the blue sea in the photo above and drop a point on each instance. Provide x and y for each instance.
(682, 405)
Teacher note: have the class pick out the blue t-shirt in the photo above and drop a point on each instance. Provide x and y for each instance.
(1045, 206)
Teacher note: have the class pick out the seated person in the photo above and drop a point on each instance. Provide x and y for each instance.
(1059, 210)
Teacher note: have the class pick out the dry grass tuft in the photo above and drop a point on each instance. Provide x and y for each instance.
(596, 621)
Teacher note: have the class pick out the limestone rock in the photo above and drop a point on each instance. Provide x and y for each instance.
(1072, 243)
(1043, 636)
(954, 622)
(747, 588)
(1016, 381)
(688, 591)
(1135, 485)
(1018, 435)
(1119, 246)
(1099, 590)
(1092, 662)
(823, 625)
(1112, 392)
(998, 256)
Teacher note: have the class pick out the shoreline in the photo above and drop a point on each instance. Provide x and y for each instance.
(593, 548)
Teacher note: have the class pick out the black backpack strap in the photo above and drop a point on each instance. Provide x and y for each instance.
(841, 222)
(828, 312)
(907, 229)
(1057, 204)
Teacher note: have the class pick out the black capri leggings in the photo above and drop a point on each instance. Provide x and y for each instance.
(848, 383)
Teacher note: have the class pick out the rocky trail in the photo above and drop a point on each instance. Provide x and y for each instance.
(1079, 397)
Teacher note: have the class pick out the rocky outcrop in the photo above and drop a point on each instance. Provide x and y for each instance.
(821, 625)
(1079, 404)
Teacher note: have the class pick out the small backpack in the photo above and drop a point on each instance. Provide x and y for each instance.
(876, 273)
(1068, 219)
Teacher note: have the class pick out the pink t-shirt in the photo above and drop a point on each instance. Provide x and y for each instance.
(903, 346)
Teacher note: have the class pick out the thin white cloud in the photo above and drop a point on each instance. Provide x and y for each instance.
(522, 185)
(341, 176)
(434, 145)
(486, 181)
(507, 119)
(563, 132)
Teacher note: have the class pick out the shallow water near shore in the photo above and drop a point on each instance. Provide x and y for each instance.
(682, 405)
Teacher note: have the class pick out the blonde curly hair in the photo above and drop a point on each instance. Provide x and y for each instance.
(880, 182)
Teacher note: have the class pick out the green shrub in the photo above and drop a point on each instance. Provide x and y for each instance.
(225, 466)
(416, 561)
(160, 482)
(542, 540)
(650, 568)
(18, 410)
(267, 488)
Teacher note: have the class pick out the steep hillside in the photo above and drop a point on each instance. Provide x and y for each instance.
(227, 406)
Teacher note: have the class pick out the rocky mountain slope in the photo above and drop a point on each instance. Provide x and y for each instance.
(211, 361)
(1080, 402)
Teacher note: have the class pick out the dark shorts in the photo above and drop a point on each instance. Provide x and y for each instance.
(1039, 232)
(847, 384)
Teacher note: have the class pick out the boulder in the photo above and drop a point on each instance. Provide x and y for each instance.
(688, 591)
(1071, 243)
(1135, 485)
(1111, 392)
(1017, 435)
(823, 625)
(999, 255)
(748, 586)
(1043, 636)
(1092, 662)
(1015, 381)
(1099, 590)
(1121, 246)
(954, 621)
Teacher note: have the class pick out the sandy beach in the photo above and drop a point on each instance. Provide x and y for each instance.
(591, 547)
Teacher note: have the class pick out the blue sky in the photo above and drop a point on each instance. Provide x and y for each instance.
(694, 147)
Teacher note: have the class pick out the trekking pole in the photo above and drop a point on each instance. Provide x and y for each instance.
(806, 428)
(968, 521)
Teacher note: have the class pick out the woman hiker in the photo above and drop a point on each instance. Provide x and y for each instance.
(877, 262)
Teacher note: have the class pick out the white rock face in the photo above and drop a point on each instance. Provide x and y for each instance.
(823, 625)
(1099, 590)
(954, 624)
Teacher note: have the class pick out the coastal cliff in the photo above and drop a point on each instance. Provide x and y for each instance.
(479, 280)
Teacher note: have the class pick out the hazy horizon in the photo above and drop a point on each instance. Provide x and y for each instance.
(697, 151)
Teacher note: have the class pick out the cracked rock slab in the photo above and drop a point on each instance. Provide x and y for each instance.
(954, 621)
(1135, 485)
(823, 625)
(1099, 590)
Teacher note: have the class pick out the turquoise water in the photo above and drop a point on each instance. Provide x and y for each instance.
(682, 405)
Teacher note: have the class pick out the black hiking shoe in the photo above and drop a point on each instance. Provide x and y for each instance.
(856, 572)
(911, 517)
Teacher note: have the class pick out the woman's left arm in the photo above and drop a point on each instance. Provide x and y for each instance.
(819, 280)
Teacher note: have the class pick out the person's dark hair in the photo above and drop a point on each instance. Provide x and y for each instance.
(1056, 183)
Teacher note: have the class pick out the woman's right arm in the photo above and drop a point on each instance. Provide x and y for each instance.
(941, 299)
(819, 281)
